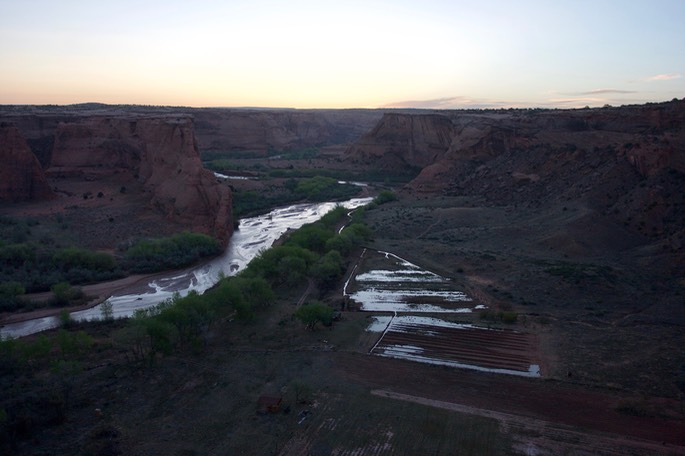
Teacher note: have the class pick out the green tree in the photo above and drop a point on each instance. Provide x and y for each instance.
(385, 196)
(11, 295)
(107, 311)
(328, 269)
(314, 312)
(63, 294)
(312, 237)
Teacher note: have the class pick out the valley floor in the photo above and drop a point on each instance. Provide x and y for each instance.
(610, 361)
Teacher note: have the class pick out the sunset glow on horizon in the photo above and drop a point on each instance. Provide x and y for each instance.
(323, 54)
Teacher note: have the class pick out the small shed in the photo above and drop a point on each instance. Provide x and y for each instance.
(269, 404)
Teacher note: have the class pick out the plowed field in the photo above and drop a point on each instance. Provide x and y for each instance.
(503, 351)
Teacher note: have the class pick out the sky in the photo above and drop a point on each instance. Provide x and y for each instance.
(343, 54)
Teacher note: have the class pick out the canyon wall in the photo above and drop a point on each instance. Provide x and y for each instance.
(263, 130)
(400, 140)
(453, 145)
(143, 162)
(625, 163)
(21, 176)
(159, 153)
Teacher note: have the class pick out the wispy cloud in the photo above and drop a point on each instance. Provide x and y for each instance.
(576, 101)
(435, 103)
(664, 77)
(458, 102)
(606, 91)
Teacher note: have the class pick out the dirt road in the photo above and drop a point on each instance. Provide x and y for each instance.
(549, 413)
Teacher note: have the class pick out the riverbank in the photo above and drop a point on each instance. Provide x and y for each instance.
(97, 293)
(142, 291)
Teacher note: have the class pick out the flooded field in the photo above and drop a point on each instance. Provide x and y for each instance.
(421, 302)
(436, 341)
(404, 287)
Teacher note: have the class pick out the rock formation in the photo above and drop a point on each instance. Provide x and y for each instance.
(627, 162)
(158, 153)
(401, 140)
(453, 145)
(21, 176)
(279, 130)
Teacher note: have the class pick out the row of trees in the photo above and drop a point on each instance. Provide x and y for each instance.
(314, 189)
(315, 251)
(30, 267)
(182, 249)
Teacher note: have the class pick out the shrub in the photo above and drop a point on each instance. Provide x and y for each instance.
(320, 188)
(385, 196)
(151, 255)
(76, 258)
(313, 237)
(11, 296)
(282, 264)
(64, 294)
(314, 312)
(328, 269)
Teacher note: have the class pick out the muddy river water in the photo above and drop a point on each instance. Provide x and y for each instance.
(253, 235)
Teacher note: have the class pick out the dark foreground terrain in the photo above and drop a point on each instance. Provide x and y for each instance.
(599, 393)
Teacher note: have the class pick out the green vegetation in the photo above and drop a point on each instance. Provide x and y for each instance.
(368, 175)
(314, 312)
(186, 321)
(314, 189)
(315, 250)
(385, 196)
(322, 188)
(33, 259)
(64, 294)
(151, 255)
(38, 267)
(11, 296)
(215, 159)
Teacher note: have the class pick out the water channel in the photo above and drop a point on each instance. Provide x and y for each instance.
(253, 235)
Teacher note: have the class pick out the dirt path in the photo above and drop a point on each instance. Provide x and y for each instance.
(310, 289)
(545, 437)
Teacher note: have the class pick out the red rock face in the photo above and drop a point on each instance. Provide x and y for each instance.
(279, 130)
(452, 145)
(160, 154)
(400, 140)
(21, 176)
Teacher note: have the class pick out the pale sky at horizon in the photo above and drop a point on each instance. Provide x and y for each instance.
(342, 54)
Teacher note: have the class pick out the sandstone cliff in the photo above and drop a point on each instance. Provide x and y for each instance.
(627, 162)
(21, 176)
(158, 153)
(401, 140)
(452, 145)
(279, 130)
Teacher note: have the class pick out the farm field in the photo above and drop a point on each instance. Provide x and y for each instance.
(435, 341)
(418, 329)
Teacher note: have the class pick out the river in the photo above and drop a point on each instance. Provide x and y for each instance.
(253, 235)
